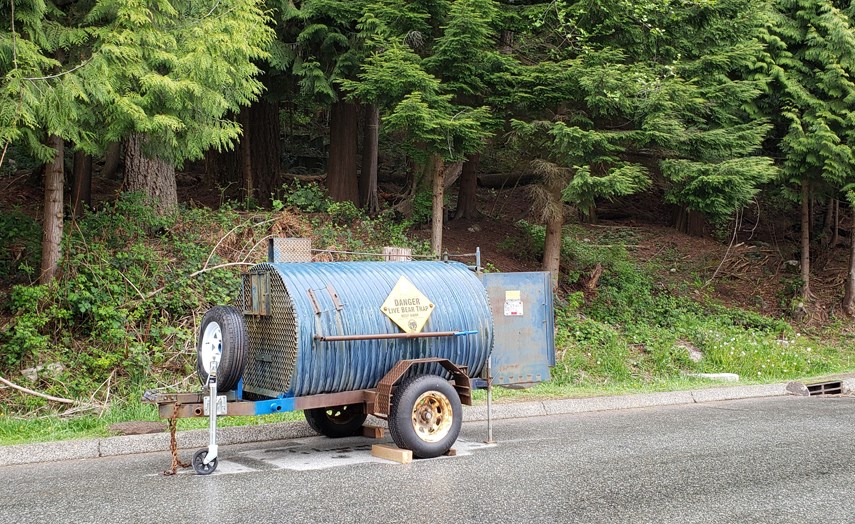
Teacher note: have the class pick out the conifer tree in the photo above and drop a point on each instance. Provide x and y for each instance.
(436, 129)
(618, 87)
(322, 48)
(713, 163)
(810, 88)
(94, 72)
(40, 101)
(165, 74)
(463, 58)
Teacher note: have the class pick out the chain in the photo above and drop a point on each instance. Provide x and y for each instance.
(173, 443)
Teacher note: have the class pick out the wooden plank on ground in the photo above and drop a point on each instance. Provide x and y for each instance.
(393, 453)
(372, 432)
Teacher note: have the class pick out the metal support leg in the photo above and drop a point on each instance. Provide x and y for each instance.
(205, 460)
(489, 402)
(212, 416)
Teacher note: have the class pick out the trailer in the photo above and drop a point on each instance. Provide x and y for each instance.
(404, 341)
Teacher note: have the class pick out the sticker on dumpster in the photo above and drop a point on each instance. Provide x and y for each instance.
(407, 307)
(513, 304)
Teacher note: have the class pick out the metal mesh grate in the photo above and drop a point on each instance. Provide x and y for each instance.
(272, 341)
(825, 388)
(289, 250)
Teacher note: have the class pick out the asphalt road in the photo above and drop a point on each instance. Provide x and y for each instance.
(775, 460)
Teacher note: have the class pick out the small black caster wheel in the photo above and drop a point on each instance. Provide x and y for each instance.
(199, 464)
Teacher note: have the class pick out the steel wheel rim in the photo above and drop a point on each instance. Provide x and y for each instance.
(340, 414)
(432, 416)
(212, 346)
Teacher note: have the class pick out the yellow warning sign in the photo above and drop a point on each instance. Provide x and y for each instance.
(407, 306)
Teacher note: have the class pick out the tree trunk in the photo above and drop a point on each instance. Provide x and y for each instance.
(589, 216)
(111, 160)
(805, 242)
(506, 42)
(261, 129)
(151, 177)
(692, 223)
(342, 183)
(849, 292)
(265, 129)
(835, 227)
(370, 147)
(81, 191)
(438, 205)
(467, 204)
(246, 157)
(552, 247)
(52, 229)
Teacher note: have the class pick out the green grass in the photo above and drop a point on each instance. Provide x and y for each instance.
(630, 337)
(22, 430)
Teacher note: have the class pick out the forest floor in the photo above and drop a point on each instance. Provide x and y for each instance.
(756, 269)
(750, 270)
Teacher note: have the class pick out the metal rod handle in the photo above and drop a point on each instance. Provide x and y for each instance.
(381, 336)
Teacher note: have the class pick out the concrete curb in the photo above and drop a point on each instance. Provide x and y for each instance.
(198, 438)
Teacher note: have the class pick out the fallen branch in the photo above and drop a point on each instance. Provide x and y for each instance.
(197, 273)
(232, 230)
(28, 391)
(737, 223)
(211, 255)
(78, 409)
(249, 253)
(132, 285)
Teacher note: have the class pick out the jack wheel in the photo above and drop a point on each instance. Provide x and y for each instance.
(199, 465)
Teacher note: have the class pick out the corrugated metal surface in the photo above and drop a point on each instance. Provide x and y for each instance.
(361, 288)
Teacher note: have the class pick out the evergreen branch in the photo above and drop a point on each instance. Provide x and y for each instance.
(63, 73)
(14, 36)
(3, 155)
(212, 9)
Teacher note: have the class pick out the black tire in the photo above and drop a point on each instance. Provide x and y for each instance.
(426, 415)
(338, 421)
(222, 326)
(199, 465)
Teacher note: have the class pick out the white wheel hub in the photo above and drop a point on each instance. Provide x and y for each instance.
(212, 346)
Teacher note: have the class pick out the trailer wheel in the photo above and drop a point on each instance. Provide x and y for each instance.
(222, 338)
(338, 421)
(425, 416)
(199, 465)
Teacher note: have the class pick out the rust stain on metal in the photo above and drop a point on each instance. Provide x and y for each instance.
(314, 300)
(462, 383)
(334, 297)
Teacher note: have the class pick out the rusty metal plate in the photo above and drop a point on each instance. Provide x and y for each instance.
(523, 326)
